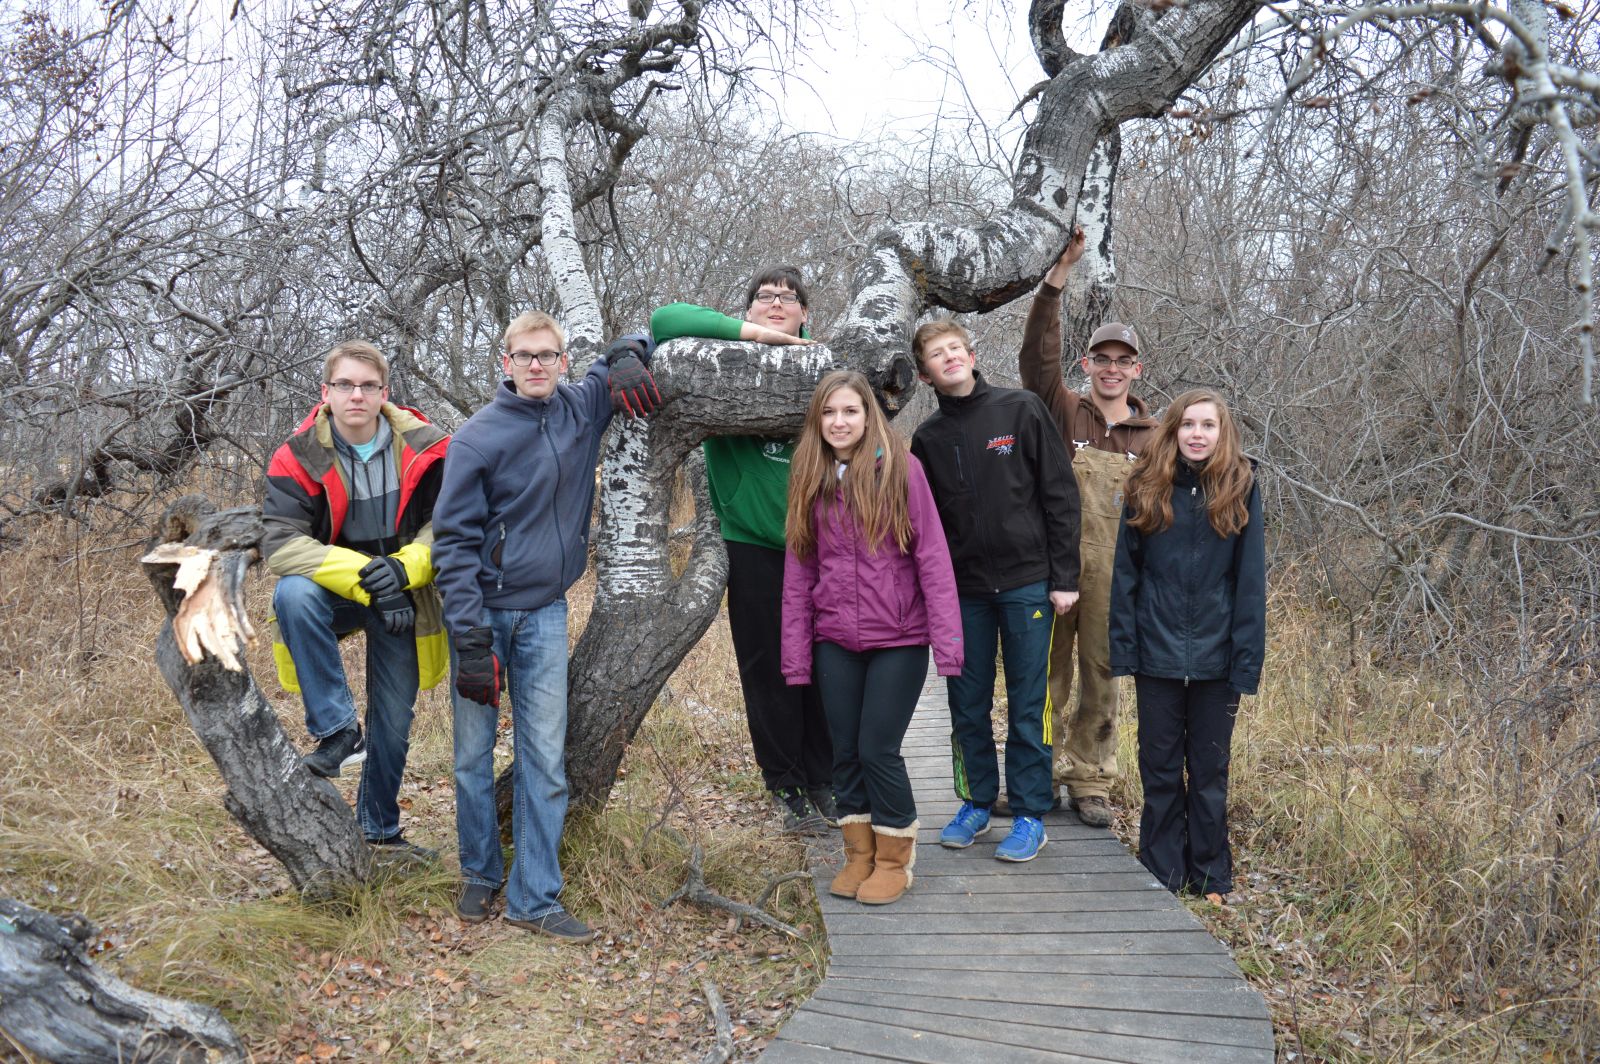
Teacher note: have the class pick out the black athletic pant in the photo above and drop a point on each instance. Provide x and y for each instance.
(869, 698)
(1183, 833)
(787, 729)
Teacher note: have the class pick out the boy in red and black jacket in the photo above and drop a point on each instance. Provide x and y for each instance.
(348, 529)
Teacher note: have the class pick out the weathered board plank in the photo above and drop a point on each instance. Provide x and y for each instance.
(1075, 956)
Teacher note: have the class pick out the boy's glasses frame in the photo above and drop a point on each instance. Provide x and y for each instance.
(1121, 362)
(346, 387)
(525, 358)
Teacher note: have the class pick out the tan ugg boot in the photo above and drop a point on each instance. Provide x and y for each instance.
(859, 846)
(891, 865)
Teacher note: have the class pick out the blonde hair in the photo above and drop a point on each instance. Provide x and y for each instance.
(359, 350)
(532, 321)
(931, 331)
(1225, 478)
(872, 491)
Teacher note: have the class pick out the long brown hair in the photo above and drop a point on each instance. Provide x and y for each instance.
(1225, 478)
(873, 489)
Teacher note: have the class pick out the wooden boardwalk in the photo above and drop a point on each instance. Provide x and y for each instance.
(1077, 955)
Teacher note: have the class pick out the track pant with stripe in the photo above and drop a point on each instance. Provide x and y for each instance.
(1018, 621)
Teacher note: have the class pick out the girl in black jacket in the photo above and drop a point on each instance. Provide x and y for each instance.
(1188, 623)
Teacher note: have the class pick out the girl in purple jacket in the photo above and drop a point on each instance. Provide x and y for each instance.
(867, 589)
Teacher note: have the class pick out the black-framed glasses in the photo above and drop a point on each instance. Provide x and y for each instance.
(346, 387)
(1121, 361)
(766, 299)
(525, 358)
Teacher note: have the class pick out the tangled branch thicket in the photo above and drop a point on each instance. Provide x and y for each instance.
(1346, 232)
(1361, 271)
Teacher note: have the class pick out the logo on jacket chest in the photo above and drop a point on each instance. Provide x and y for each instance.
(1002, 444)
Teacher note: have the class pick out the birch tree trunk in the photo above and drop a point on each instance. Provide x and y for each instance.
(976, 268)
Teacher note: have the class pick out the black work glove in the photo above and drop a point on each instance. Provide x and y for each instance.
(633, 390)
(383, 577)
(397, 612)
(477, 669)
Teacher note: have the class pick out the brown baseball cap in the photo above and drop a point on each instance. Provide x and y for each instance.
(1115, 332)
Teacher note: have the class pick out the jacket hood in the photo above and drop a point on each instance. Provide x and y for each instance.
(1141, 416)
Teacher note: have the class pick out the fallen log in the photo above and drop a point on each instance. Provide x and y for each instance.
(60, 1006)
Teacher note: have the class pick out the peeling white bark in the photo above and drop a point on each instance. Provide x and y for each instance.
(1086, 299)
(580, 310)
(979, 268)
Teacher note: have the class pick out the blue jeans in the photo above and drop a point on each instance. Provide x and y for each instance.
(311, 619)
(532, 648)
(1020, 621)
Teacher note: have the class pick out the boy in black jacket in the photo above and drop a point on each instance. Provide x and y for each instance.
(1009, 504)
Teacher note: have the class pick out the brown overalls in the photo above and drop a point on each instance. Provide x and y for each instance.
(1086, 741)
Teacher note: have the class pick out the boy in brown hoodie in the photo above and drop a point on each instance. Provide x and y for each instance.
(1106, 430)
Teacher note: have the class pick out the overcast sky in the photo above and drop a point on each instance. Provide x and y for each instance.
(897, 66)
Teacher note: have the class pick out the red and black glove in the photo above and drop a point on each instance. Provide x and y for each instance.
(633, 390)
(477, 669)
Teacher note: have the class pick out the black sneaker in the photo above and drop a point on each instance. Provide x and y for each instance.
(476, 903)
(799, 817)
(337, 752)
(396, 847)
(559, 924)
(821, 799)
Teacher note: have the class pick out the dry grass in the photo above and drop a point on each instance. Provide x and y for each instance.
(111, 807)
(1417, 875)
(1417, 872)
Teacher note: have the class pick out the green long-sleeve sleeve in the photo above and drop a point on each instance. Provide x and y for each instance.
(688, 319)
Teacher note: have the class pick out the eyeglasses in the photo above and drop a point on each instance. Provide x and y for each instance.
(346, 387)
(525, 358)
(766, 299)
(1121, 362)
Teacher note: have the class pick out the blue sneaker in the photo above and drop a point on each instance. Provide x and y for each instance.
(965, 826)
(1027, 838)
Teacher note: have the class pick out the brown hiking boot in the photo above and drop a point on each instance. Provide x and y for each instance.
(859, 847)
(891, 865)
(1093, 810)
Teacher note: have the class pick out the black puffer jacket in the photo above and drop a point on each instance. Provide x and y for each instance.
(1004, 487)
(1186, 603)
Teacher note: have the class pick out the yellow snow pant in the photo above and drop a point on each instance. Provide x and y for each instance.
(1086, 741)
